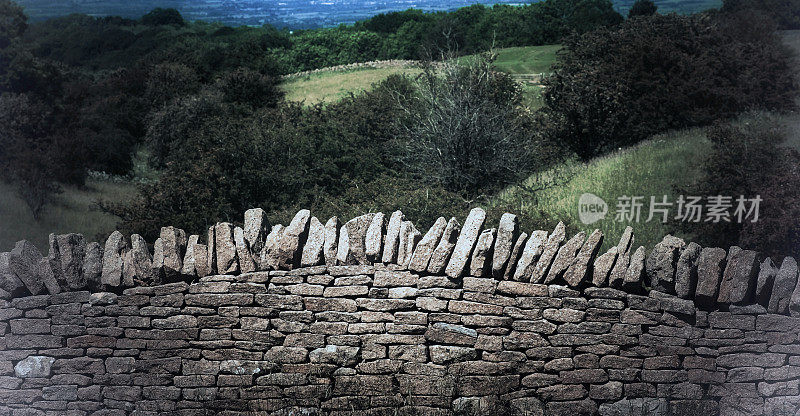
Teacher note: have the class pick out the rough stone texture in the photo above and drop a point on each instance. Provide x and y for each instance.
(200, 254)
(189, 267)
(211, 257)
(244, 254)
(138, 264)
(373, 241)
(441, 255)
(331, 245)
(9, 281)
(709, 272)
(549, 253)
(578, 270)
(565, 257)
(507, 234)
(617, 275)
(409, 237)
(315, 245)
(661, 263)
(54, 259)
(686, 271)
(287, 253)
(256, 228)
(784, 287)
(466, 242)
(788, 272)
(376, 339)
(530, 255)
(44, 273)
(738, 279)
(71, 252)
(23, 261)
(602, 267)
(516, 253)
(480, 264)
(422, 254)
(392, 238)
(224, 249)
(635, 273)
(34, 366)
(765, 281)
(351, 250)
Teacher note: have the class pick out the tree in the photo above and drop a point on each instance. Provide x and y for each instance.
(642, 8)
(159, 17)
(13, 22)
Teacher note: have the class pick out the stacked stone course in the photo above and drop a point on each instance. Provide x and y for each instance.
(374, 317)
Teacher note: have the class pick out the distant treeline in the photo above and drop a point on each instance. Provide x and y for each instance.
(161, 35)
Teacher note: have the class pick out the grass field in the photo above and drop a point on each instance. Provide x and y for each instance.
(527, 59)
(334, 85)
(74, 211)
(651, 168)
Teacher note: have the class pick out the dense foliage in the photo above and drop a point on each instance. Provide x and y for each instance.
(785, 13)
(615, 86)
(772, 172)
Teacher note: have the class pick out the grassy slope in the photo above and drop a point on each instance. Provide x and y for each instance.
(652, 168)
(72, 212)
(331, 86)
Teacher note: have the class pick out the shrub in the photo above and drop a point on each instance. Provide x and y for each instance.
(159, 16)
(615, 86)
(463, 128)
(642, 8)
(748, 158)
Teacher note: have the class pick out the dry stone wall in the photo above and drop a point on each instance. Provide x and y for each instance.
(374, 317)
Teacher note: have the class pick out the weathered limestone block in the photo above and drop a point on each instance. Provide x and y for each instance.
(71, 251)
(173, 243)
(244, 253)
(373, 241)
(516, 253)
(617, 275)
(765, 281)
(189, 267)
(356, 240)
(225, 246)
(686, 271)
(424, 251)
(466, 242)
(256, 227)
(549, 253)
(564, 258)
(507, 233)
(789, 272)
(9, 282)
(709, 272)
(441, 255)
(784, 287)
(158, 258)
(602, 267)
(138, 264)
(45, 273)
(343, 247)
(200, 254)
(577, 271)
(478, 264)
(93, 264)
(54, 259)
(34, 366)
(330, 247)
(409, 237)
(313, 250)
(23, 261)
(635, 273)
(661, 263)
(392, 237)
(293, 238)
(115, 248)
(738, 279)
(269, 254)
(530, 255)
(211, 258)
